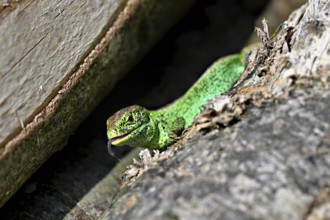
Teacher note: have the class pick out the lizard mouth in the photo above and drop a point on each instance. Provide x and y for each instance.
(118, 138)
(115, 141)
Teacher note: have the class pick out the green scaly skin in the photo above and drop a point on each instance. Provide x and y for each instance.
(137, 126)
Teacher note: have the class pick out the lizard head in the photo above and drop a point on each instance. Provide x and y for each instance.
(129, 126)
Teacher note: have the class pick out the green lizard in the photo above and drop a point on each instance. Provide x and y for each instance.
(137, 126)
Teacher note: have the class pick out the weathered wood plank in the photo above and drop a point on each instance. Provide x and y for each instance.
(41, 43)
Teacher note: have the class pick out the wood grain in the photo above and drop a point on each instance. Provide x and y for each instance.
(41, 43)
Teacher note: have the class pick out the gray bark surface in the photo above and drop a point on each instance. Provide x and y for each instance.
(269, 165)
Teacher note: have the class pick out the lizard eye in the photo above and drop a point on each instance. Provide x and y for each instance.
(130, 118)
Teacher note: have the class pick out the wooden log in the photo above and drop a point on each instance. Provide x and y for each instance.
(58, 60)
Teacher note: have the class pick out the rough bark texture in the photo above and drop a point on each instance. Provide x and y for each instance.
(270, 165)
(269, 157)
(58, 61)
